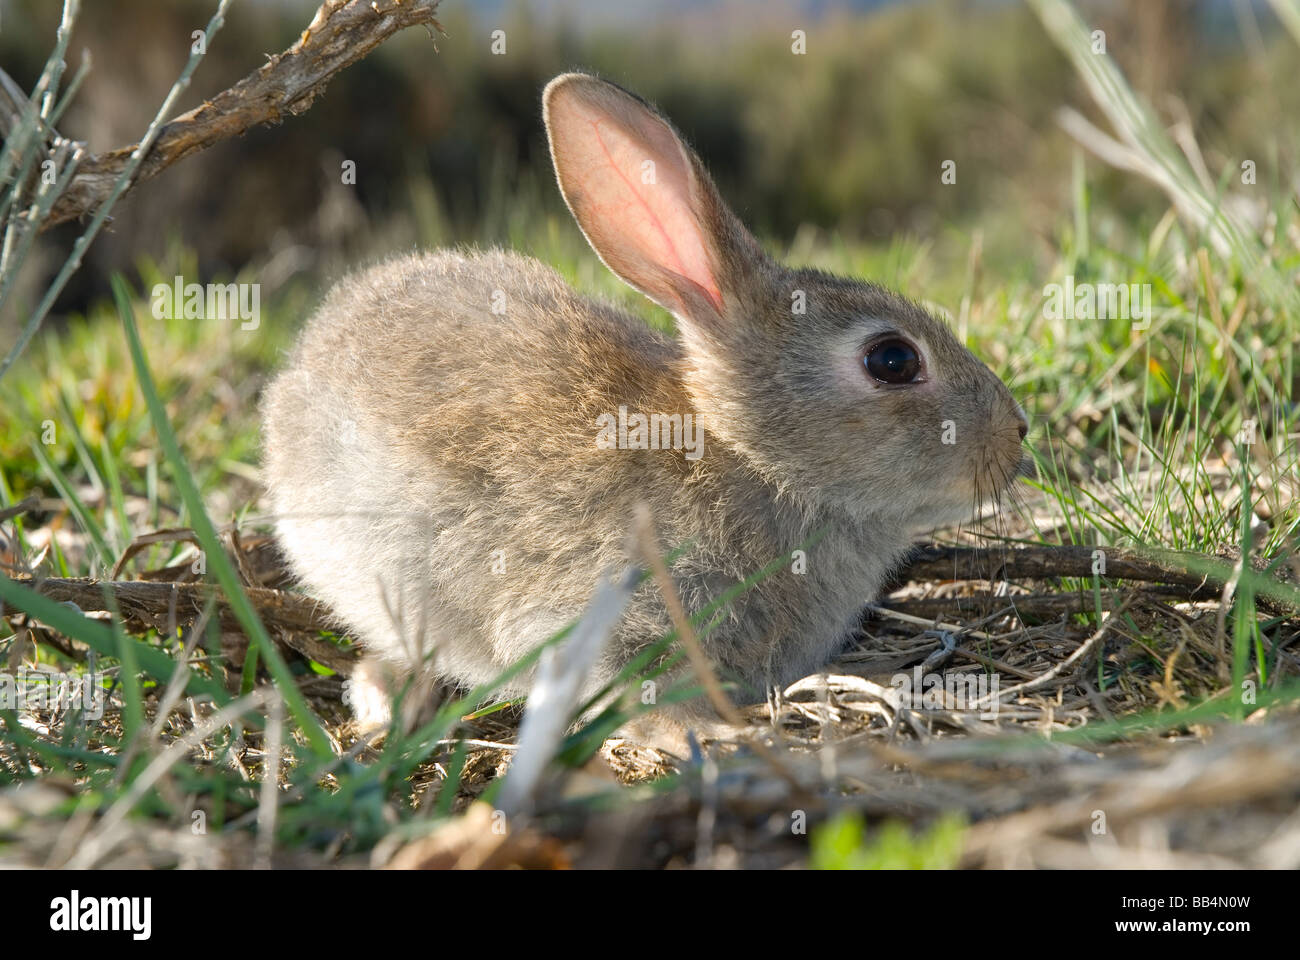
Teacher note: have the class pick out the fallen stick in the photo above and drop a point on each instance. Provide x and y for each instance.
(1046, 606)
(146, 603)
(1052, 562)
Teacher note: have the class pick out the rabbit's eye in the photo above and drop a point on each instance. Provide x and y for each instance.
(893, 361)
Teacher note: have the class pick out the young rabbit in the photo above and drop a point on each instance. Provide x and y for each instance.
(454, 452)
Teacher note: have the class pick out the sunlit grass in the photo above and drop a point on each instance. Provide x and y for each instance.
(1181, 436)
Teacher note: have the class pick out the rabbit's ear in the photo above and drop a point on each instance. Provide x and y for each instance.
(642, 198)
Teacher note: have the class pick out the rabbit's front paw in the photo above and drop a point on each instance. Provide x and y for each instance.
(670, 731)
(367, 694)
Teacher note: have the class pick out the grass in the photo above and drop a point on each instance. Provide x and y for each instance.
(1111, 470)
(1181, 436)
(842, 844)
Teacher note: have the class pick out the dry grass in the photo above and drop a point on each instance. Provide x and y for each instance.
(1087, 754)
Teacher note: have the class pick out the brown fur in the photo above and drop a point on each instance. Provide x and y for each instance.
(417, 438)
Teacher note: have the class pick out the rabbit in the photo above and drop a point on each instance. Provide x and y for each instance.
(453, 451)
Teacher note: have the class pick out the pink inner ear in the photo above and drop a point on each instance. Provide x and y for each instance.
(632, 222)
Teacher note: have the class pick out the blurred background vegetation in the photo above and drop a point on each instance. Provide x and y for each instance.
(847, 140)
(833, 157)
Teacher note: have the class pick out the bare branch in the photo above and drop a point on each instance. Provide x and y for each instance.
(341, 33)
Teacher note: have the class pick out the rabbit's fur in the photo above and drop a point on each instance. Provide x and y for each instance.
(433, 463)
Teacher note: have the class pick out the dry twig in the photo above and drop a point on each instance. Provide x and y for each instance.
(341, 33)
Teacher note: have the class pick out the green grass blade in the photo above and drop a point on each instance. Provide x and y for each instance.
(213, 548)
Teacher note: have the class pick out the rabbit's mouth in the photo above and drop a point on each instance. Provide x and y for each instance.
(996, 473)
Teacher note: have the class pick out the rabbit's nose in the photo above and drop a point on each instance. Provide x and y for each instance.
(1022, 421)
